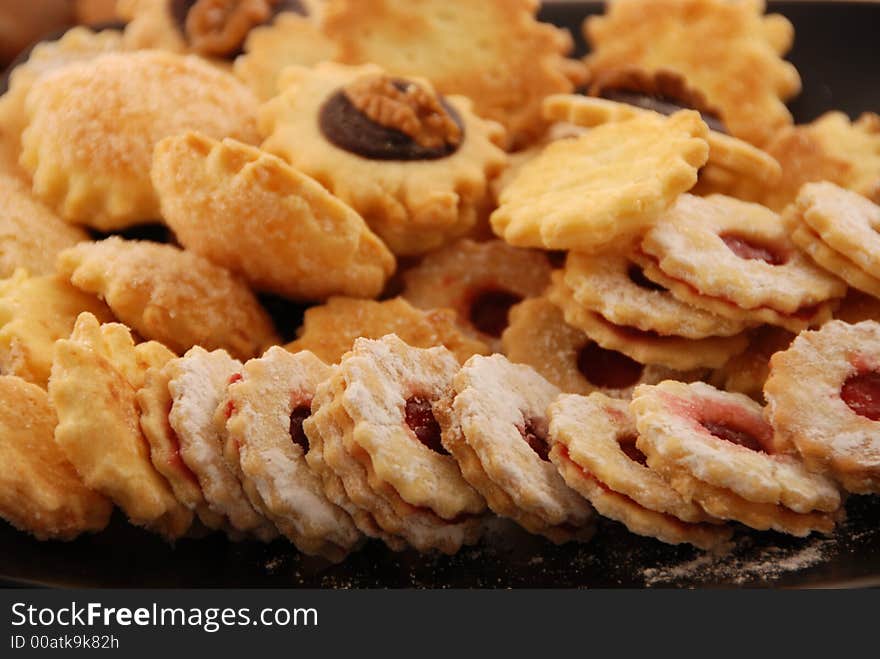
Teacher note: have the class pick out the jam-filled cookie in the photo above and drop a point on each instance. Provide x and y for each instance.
(494, 52)
(264, 413)
(822, 399)
(608, 185)
(480, 281)
(40, 491)
(251, 212)
(329, 330)
(34, 313)
(197, 386)
(593, 445)
(728, 51)
(92, 127)
(95, 376)
(716, 448)
(382, 439)
(170, 295)
(736, 259)
(413, 163)
(539, 337)
(494, 422)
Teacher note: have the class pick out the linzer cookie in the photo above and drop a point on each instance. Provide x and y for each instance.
(716, 449)
(414, 164)
(593, 446)
(822, 399)
(494, 423)
(252, 213)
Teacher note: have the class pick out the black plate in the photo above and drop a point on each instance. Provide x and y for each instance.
(835, 55)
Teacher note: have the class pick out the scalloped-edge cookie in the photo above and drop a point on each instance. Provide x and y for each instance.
(251, 212)
(40, 491)
(171, 295)
(92, 127)
(605, 187)
(415, 165)
(95, 376)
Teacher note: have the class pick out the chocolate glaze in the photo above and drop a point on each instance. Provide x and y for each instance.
(665, 106)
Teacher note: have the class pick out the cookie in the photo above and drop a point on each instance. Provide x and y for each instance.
(494, 423)
(34, 313)
(253, 214)
(329, 330)
(728, 51)
(822, 402)
(414, 164)
(266, 445)
(494, 52)
(40, 491)
(170, 295)
(608, 185)
(480, 281)
(747, 372)
(197, 386)
(92, 127)
(95, 376)
(593, 446)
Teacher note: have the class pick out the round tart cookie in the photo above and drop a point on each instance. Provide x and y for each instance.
(414, 164)
(494, 52)
(697, 436)
(40, 491)
(170, 295)
(95, 376)
(728, 51)
(538, 336)
(34, 313)
(252, 213)
(92, 127)
(197, 386)
(593, 446)
(480, 281)
(735, 259)
(329, 330)
(494, 423)
(266, 445)
(822, 399)
(608, 186)
(380, 436)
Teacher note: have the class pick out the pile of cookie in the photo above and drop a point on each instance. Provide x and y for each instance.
(535, 287)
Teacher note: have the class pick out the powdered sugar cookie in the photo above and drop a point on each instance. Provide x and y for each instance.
(494, 422)
(480, 281)
(593, 446)
(414, 164)
(95, 375)
(34, 313)
(728, 51)
(494, 52)
(822, 401)
(329, 330)
(746, 373)
(40, 491)
(608, 185)
(92, 127)
(252, 213)
(170, 295)
(831, 260)
(266, 444)
(197, 385)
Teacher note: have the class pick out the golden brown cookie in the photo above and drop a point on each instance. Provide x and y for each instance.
(414, 164)
(252, 213)
(40, 491)
(329, 330)
(170, 295)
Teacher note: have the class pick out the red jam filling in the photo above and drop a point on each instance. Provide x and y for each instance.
(861, 392)
(489, 310)
(608, 369)
(628, 446)
(734, 435)
(637, 276)
(419, 416)
(746, 249)
(536, 438)
(235, 378)
(299, 414)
